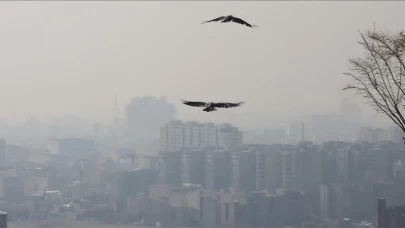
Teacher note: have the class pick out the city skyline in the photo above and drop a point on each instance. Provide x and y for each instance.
(98, 125)
(243, 119)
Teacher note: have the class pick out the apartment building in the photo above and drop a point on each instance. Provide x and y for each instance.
(176, 135)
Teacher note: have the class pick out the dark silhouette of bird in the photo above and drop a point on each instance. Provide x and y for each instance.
(230, 18)
(211, 106)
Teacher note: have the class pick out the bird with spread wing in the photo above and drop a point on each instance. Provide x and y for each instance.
(230, 18)
(211, 106)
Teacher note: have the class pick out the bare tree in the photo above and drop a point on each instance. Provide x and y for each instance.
(379, 76)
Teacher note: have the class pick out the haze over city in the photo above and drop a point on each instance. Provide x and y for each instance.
(70, 58)
(143, 114)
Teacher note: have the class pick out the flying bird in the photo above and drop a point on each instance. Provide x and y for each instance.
(211, 106)
(230, 18)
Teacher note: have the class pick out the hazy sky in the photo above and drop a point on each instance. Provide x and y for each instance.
(71, 57)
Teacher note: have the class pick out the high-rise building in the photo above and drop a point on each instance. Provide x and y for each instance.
(292, 169)
(209, 135)
(193, 167)
(342, 161)
(209, 209)
(3, 219)
(311, 170)
(273, 169)
(368, 134)
(301, 168)
(339, 200)
(229, 136)
(257, 165)
(192, 135)
(330, 205)
(335, 162)
(145, 115)
(376, 161)
(284, 209)
(134, 182)
(176, 135)
(217, 170)
(170, 168)
(390, 216)
(172, 136)
(244, 171)
(261, 165)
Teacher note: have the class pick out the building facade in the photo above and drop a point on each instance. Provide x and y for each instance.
(177, 135)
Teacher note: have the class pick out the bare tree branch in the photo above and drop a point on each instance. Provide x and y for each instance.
(379, 75)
